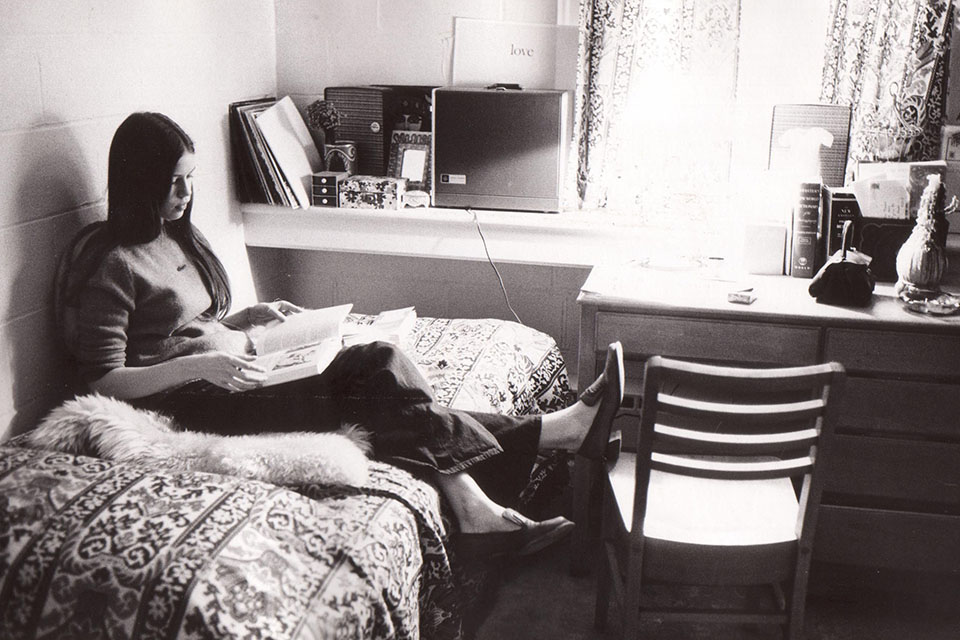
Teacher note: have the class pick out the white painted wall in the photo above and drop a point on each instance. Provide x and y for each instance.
(69, 73)
(358, 42)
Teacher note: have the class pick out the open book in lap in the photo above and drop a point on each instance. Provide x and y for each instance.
(395, 325)
(300, 346)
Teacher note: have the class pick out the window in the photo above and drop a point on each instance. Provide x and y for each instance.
(681, 95)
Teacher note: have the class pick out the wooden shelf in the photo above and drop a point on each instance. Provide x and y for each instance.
(572, 239)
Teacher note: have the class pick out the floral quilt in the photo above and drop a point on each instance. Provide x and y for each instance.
(91, 548)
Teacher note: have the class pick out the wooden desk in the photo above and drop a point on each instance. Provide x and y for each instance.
(892, 495)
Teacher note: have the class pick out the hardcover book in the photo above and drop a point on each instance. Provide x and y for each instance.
(839, 205)
(806, 221)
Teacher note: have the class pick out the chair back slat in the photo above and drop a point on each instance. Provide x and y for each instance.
(765, 413)
(736, 378)
(716, 469)
(697, 442)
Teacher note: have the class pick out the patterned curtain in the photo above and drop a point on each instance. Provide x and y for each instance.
(888, 60)
(656, 81)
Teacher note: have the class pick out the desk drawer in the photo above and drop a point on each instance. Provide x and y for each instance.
(920, 475)
(706, 339)
(888, 539)
(895, 353)
(893, 407)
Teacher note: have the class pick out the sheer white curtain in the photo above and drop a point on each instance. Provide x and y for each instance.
(656, 88)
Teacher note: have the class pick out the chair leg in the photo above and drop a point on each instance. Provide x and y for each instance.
(798, 601)
(630, 609)
(604, 585)
(609, 569)
(632, 588)
(585, 473)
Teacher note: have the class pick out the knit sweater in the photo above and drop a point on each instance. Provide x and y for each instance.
(145, 304)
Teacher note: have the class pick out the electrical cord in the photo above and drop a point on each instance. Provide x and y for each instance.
(503, 288)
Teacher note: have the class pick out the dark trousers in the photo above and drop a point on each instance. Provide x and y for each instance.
(377, 387)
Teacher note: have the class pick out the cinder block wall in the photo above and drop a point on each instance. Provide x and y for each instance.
(69, 73)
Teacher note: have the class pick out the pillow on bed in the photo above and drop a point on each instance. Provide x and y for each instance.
(98, 425)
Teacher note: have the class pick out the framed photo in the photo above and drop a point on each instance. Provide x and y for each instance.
(410, 158)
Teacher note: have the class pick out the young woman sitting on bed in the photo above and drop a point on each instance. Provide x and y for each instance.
(151, 326)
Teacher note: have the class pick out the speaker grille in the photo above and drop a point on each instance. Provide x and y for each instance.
(362, 119)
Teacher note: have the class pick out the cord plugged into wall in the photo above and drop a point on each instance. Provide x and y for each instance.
(486, 250)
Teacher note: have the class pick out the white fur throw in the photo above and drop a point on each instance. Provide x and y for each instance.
(115, 430)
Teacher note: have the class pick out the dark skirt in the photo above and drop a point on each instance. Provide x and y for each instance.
(377, 387)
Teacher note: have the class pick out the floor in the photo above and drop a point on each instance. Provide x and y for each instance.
(538, 599)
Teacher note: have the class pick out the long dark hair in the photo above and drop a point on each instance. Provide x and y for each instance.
(145, 150)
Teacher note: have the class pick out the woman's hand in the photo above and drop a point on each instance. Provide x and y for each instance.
(231, 372)
(234, 372)
(263, 313)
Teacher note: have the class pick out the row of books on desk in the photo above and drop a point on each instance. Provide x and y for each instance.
(881, 225)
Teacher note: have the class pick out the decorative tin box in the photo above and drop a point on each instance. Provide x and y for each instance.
(372, 192)
(326, 187)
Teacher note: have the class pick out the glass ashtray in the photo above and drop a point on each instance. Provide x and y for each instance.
(944, 304)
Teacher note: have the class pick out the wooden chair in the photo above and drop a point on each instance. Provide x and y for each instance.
(711, 496)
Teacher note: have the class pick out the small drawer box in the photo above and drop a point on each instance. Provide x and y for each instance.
(372, 192)
(325, 187)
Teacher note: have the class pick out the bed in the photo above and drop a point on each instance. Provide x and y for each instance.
(91, 548)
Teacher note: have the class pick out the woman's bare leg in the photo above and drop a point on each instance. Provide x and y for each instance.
(566, 428)
(586, 426)
(474, 510)
(488, 530)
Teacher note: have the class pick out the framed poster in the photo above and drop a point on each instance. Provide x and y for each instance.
(535, 56)
(410, 158)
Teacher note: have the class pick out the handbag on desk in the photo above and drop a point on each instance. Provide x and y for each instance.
(845, 280)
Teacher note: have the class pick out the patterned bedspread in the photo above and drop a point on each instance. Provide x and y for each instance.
(489, 365)
(96, 549)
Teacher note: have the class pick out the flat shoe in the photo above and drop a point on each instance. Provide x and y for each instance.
(607, 389)
(530, 537)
